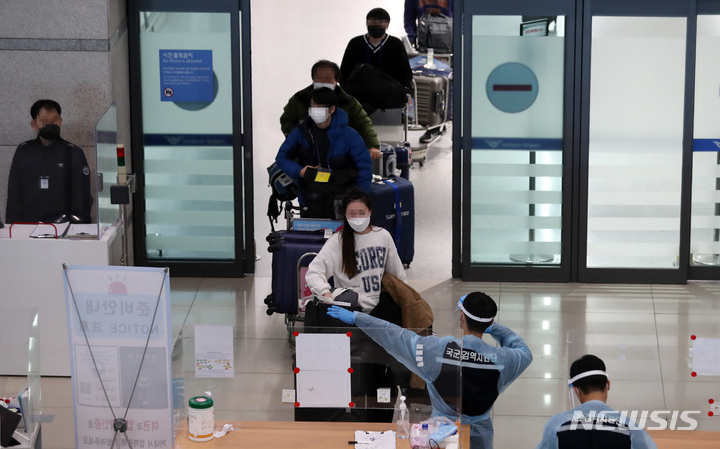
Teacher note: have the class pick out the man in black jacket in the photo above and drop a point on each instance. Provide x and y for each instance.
(378, 49)
(49, 177)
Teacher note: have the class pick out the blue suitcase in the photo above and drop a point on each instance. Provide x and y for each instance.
(403, 159)
(287, 247)
(392, 198)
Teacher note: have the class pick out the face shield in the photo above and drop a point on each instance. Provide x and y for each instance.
(461, 308)
(572, 396)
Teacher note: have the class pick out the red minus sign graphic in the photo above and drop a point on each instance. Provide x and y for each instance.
(512, 87)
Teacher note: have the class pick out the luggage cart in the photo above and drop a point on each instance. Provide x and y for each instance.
(391, 126)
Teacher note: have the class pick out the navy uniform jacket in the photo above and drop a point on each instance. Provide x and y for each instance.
(46, 182)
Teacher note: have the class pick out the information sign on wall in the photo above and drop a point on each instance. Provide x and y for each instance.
(186, 75)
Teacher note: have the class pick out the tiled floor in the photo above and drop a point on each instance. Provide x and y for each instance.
(641, 331)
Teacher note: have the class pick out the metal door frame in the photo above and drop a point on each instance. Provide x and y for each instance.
(703, 7)
(578, 15)
(462, 135)
(239, 11)
(636, 8)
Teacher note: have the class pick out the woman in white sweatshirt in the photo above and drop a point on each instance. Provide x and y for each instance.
(356, 257)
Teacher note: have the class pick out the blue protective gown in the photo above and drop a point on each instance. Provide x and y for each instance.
(486, 370)
(610, 429)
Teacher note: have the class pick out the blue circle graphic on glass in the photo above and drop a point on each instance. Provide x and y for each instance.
(512, 87)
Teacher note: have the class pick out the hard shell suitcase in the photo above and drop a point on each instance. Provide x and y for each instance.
(287, 247)
(403, 158)
(433, 98)
(387, 164)
(394, 209)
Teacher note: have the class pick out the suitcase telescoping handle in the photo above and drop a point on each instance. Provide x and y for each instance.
(398, 214)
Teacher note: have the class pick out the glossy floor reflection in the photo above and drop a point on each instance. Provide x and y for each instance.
(641, 331)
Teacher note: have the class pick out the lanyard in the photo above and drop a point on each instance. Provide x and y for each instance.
(317, 148)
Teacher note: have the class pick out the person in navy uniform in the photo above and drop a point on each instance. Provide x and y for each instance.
(487, 370)
(49, 177)
(593, 424)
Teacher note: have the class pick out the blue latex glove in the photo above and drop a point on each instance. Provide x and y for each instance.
(341, 314)
(489, 329)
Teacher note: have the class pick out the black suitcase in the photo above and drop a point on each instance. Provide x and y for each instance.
(287, 247)
(395, 197)
(372, 366)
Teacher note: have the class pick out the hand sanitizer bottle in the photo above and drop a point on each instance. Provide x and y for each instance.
(403, 421)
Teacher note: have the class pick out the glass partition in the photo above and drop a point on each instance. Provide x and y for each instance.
(517, 142)
(188, 143)
(105, 143)
(637, 85)
(333, 374)
(705, 225)
(20, 338)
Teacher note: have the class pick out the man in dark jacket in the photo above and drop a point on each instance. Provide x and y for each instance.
(324, 156)
(49, 177)
(378, 49)
(326, 74)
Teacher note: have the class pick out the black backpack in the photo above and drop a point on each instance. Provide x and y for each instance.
(436, 32)
(372, 86)
(283, 189)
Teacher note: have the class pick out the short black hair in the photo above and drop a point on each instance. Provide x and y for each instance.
(325, 64)
(482, 306)
(44, 104)
(378, 14)
(324, 97)
(589, 384)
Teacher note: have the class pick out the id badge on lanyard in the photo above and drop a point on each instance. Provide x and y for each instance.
(323, 175)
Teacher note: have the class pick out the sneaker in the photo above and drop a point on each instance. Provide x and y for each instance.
(427, 137)
(431, 134)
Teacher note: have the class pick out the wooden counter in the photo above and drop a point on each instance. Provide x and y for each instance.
(292, 434)
(685, 439)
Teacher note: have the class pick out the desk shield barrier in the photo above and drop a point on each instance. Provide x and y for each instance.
(107, 167)
(24, 330)
(332, 375)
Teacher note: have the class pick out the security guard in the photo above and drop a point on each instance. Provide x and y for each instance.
(49, 177)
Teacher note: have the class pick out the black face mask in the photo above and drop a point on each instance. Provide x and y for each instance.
(50, 132)
(376, 31)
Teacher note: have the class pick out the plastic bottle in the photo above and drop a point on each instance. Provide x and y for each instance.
(424, 437)
(403, 421)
